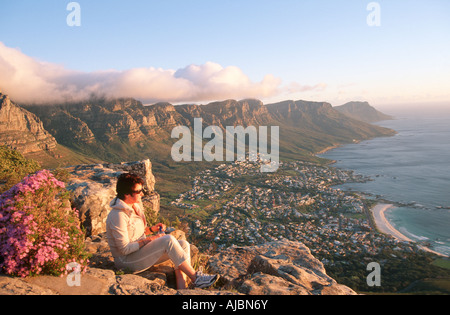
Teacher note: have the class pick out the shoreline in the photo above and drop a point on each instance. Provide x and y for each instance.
(383, 224)
(385, 227)
(325, 150)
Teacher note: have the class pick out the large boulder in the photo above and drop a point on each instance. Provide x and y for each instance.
(282, 267)
(94, 186)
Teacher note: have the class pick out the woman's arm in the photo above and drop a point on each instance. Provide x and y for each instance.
(118, 226)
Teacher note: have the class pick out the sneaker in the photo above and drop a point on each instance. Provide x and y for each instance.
(204, 280)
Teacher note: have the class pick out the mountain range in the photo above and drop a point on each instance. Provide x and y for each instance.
(119, 130)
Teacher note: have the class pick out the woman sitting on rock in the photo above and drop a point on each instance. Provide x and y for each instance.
(126, 229)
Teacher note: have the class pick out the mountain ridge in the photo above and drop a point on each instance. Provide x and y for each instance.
(363, 111)
(115, 130)
(105, 129)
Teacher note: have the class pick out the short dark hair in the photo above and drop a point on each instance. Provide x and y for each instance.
(126, 183)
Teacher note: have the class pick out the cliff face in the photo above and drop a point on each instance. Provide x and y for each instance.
(23, 130)
(128, 120)
(228, 113)
(84, 123)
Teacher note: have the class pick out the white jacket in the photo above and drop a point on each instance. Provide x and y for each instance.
(125, 226)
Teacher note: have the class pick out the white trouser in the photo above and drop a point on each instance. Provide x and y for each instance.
(156, 252)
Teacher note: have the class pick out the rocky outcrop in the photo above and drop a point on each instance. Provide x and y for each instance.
(23, 130)
(94, 186)
(95, 282)
(276, 268)
(103, 279)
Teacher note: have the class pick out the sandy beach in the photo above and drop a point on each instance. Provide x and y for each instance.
(383, 224)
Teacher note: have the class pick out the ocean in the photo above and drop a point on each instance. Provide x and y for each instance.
(410, 169)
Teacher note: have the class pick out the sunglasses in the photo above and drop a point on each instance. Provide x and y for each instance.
(137, 191)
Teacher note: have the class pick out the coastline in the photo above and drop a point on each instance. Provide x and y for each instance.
(384, 226)
(325, 150)
(377, 212)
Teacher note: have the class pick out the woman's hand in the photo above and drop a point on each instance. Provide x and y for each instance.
(158, 227)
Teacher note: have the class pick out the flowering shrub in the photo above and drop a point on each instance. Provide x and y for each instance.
(39, 232)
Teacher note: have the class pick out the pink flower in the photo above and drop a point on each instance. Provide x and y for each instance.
(31, 240)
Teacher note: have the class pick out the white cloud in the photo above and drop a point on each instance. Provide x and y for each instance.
(27, 80)
(295, 87)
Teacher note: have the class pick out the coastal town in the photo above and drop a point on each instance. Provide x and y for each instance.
(236, 204)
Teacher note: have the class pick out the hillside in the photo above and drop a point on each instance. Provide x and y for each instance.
(310, 127)
(25, 132)
(362, 111)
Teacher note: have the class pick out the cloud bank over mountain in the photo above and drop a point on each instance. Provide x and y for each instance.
(28, 80)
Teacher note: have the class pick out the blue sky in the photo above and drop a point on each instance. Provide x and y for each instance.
(200, 51)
